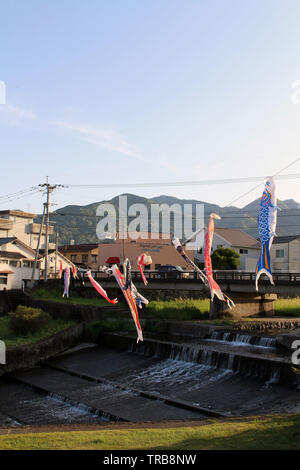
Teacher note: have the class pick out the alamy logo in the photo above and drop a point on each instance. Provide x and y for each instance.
(2, 92)
(2, 353)
(148, 221)
(296, 354)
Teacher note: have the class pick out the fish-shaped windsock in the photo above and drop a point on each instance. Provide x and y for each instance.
(140, 300)
(213, 285)
(144, 260)
(60, 269)
(100, 289)
(74, 271)
(66, 282)
(176, 243)
(267, 220)
(130, 299)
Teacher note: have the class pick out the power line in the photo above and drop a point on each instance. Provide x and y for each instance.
(247, 179)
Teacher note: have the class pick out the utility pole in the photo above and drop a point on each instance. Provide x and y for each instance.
(49, 189)
(38, 246)
(56, 249)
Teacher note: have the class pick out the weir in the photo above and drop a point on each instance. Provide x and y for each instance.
(220, 373)
(258, 360)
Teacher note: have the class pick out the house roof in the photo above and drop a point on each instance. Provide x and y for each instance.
(51, 252)
(18, 213)
(5, 240)
(285, 239)
(78, 248)
(12, 255)
(237, 237)
(15, 240)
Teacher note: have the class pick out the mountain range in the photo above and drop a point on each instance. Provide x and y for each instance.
(78, 223)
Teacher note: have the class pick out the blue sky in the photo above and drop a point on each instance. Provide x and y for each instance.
(139, 91)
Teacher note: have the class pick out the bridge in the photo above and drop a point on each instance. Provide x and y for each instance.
(229, 281)
(239, 286)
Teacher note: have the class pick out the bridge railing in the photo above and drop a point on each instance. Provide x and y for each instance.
(219, 276)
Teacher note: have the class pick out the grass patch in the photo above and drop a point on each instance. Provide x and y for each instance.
(56, 295)
(94, 328)
(287, 307)
(273, 432)
(179, 309)
(12, 339)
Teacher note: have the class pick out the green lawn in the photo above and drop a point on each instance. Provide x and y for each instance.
(179, 309)
(56, 295)
(288, 307)
(11, 339)
(280, 432)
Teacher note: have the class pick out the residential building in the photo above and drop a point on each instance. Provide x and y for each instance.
(16, 223)
(285, 254)
(16, 263)
(160, 249)
(84, 255)
(246, 246)
(54, 259)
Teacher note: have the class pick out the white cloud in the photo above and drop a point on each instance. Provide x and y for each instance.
(13, 113)
(101, 137)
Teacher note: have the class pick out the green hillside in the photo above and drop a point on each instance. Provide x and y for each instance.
(79, 223)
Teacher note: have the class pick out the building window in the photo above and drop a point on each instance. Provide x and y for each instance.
(27, 264)
(157, 266)
(243, 251)
(3, 279)
(14, 263)
(94, 258)
(73, 258)
(85, 258)
(279, 253)
(4, 261)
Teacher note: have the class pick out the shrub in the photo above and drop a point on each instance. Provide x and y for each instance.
(28, 319)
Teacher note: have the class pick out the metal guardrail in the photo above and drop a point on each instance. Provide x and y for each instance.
(237, 277)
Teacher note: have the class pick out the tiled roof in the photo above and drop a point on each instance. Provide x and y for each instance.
(285, 239)
(78, 248)
(12, 254)
(5, 240)
(237, 237)
(18, 213)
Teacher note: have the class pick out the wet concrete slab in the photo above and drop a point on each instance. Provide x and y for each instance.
(123, 404)
(210, 387)
(25, 406)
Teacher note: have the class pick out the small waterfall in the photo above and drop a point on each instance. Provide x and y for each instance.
(237, 339)
(238, 362)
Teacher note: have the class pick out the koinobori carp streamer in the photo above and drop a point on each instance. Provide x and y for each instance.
(99, 289)
(267, 220)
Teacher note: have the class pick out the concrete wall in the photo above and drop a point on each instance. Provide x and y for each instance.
(290, 262)
(161, 252)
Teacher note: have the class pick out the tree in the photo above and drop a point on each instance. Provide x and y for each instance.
(225, 258)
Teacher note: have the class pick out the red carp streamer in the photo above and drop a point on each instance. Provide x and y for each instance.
(130, 299)
(74, 272)
(144, 260)
(60, 269)
(213, 285)
(100, 289)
